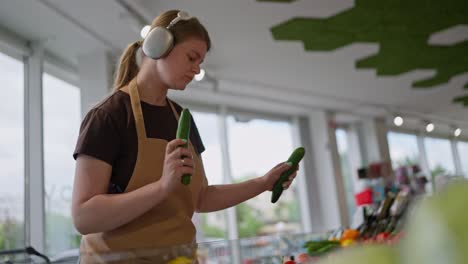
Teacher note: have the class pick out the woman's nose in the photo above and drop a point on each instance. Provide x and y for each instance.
(196, 69)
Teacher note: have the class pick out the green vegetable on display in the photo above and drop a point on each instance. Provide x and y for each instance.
(183, 132)
(317, 248)
(295, 158)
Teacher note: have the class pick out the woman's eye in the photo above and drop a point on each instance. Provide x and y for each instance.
(191, 58)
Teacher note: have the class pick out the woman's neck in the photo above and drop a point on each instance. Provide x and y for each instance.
(151, 89)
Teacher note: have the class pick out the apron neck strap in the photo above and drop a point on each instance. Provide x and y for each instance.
(173, 110)
(136, 108)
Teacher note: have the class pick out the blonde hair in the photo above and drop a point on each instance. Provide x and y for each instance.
(183, 30)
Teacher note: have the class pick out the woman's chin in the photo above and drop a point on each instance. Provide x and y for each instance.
(180, 87)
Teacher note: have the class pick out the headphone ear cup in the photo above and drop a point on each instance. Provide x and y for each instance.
(158, 43)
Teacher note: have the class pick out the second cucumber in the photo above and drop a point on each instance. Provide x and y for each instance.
(295, 158)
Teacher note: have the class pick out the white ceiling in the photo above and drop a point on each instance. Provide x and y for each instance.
(244, 54)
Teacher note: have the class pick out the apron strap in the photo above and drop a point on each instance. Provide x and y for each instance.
(136, 108)
(173, 109)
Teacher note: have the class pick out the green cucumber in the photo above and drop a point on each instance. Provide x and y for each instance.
(183, 132)
(295, 158)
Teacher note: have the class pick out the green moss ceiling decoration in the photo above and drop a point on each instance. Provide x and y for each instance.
(400, 27)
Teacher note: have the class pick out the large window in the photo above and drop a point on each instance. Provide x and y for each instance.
(11, 153)
(463, 153)
(439, 156)
(256, 146)
(212, 225)
(403, 149)
(61, 104)
(346, 171)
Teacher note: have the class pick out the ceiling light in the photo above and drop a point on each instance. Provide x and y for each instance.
(200, 75)
(145, 30)
(429, 127)
(457, 132)
(398, 120)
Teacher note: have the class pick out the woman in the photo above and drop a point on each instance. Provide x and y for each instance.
(127, 193)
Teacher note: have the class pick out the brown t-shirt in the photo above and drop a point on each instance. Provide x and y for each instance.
(108, 133)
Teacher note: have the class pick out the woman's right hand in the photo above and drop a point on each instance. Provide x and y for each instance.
(177, 162)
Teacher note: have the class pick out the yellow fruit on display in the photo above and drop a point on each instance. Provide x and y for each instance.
(181, 260)
(346, 242)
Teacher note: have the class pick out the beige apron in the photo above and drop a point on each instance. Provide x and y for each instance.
(157, 234)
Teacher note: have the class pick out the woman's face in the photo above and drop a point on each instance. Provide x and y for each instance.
(179, 67)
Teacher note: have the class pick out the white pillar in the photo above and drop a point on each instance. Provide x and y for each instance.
(373, 136)
(382, 139)
(354, 154)
(424, 161)
(456, 157)
(95, 72)
(305, 200)
(231, 214)
(374, 143)
(324, 174)
(34, 154)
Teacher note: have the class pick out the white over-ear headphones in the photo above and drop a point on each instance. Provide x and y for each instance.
(159, 41)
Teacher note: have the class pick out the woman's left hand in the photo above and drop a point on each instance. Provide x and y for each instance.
(274, 174)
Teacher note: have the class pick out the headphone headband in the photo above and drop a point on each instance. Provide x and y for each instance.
(182, 15)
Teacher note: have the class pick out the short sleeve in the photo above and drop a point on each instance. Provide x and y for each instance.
(196, 138)
(99, 137)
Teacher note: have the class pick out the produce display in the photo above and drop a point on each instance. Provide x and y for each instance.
(381, 225)
(183, 132)
(435, 232)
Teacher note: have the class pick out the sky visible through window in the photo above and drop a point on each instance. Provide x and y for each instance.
(403, 149)
(439, 154)
(62, 116)
(12, 139)
(463, 150)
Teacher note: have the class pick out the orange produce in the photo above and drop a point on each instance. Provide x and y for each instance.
(352, 234)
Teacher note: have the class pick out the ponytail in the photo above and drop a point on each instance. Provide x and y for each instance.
(128, 67)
